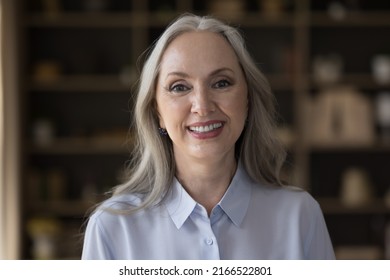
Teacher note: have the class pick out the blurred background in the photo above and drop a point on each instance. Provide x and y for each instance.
(66, 90)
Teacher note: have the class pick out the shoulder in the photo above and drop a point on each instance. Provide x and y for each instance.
(296, 194)
(122, 202)
(284, 194)
(289, 192)
(289, 207)
(101, 241)
(288, 199)
(114, 207)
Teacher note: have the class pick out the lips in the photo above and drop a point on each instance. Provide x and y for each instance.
(206, 130)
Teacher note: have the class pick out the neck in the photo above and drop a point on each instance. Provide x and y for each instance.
(206, 181)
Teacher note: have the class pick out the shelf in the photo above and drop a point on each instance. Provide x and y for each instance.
(344, 147)
(98, 20)
(363, 81)
(62, 208)
(352, 19)
(359, 252)
(334, 206)
(76, 83)
(81, 146)
(253, 19)
(141, 19)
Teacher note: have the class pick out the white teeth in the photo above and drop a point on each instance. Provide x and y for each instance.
(206, 128)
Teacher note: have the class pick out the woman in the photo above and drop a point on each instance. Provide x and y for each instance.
(204, 181)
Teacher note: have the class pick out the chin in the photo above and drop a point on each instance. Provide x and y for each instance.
(211, 153)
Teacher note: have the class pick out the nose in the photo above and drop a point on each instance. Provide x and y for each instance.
(202, 102)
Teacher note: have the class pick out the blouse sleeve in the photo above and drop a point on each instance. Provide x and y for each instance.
(96, 244)
(319, 245)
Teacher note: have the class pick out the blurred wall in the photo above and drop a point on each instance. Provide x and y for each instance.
(9, 123)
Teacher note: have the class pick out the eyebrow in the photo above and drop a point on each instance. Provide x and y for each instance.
(185, 75)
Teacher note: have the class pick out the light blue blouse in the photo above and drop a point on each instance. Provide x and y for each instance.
(252, 221)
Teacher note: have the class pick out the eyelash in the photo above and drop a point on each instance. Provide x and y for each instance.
(225, 81)
(175, 88)
(181, 87)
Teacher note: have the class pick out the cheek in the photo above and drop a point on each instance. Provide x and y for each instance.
(171, 111)
(239, 108)
(241, 101)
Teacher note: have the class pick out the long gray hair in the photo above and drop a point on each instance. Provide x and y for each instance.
(152, 166)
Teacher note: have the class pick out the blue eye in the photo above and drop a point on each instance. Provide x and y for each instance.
(222, 84)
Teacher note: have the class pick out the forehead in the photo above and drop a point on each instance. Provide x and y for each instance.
(198, 47)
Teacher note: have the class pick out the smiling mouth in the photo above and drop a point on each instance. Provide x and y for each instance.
(205, 128)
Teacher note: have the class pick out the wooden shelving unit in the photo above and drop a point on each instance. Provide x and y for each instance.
(333, 206)
(354, 19)
(86, 99)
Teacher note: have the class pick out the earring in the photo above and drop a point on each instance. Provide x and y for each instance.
(162, 131)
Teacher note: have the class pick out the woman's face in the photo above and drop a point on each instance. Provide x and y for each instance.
(201, 96)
